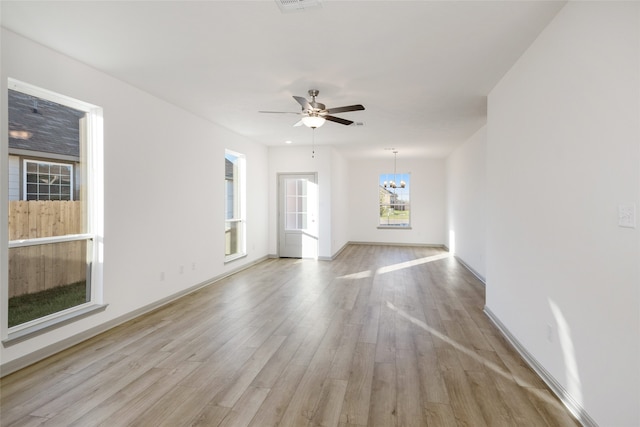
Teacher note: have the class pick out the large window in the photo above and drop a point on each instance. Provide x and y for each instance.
(53, 209)
(395, 201)
(234, 205)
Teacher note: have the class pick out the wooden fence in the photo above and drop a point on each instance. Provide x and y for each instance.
(36, 268)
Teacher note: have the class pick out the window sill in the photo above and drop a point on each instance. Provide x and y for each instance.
(393, 227)
(48, 325)
(234, 257)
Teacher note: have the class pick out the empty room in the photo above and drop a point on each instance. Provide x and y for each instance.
(320, 212)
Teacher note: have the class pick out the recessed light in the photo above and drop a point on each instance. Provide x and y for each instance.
(288, 142)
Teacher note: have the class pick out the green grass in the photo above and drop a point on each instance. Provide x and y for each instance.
(24, 308)
(394, 217)
(400, 215)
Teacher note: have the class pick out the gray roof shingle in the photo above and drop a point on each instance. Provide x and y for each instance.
(54, 127)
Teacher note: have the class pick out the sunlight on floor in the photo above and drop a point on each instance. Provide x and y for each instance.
(495, 368)
(407, 264)
(359, 275)
(396, 267)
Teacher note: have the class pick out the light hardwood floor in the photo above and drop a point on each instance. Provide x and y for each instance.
(381, 336)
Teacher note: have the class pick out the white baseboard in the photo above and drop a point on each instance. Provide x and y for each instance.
(572, 405)
(41, 354)
(421, 245)
(335, 255)
(471, 270)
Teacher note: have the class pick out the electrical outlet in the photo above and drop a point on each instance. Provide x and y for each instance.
(193, 265)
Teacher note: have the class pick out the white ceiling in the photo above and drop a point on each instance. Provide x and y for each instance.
(422, 69)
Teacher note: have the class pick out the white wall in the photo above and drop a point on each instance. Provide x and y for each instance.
(466, 202)
(563, 153)
(164, 206)
(339, 202)
(427, 201)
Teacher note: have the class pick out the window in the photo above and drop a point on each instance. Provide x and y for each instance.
(53, 209)
(395, 202)
(47, 180)
(234, 205)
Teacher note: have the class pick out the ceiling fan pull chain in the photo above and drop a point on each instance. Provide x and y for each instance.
(313, 143)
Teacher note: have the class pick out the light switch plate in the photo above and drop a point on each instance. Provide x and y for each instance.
(627, 216)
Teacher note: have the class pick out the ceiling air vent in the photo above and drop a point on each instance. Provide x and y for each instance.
(298, 5)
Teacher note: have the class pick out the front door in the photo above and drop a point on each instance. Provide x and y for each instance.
(297, 224)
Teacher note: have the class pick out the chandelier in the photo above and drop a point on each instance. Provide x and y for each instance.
(392, 183)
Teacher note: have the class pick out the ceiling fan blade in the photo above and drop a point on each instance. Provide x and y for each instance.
(356, 107)
(279, 112)
(338, 120)
(303, 102)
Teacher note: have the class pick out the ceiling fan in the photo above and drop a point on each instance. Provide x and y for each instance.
(314, 114)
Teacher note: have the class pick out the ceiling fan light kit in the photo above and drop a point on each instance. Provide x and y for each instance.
(313, 121)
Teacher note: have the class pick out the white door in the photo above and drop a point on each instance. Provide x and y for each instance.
(297, 213)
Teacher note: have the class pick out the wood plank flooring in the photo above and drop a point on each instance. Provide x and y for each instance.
(381, 336)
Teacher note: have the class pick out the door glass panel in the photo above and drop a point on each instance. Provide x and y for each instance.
(291, 203)
(291, 223)
(296, 204)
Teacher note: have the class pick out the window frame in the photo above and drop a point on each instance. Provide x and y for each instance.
(239, 205)
(91, 137)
